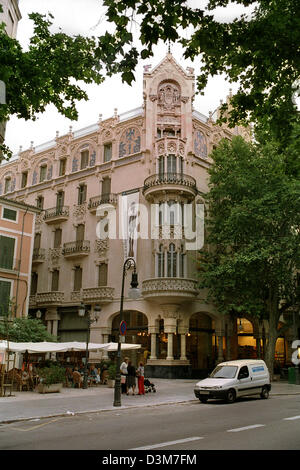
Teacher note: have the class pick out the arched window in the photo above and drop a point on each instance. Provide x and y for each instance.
(172, 261)
(161, 262)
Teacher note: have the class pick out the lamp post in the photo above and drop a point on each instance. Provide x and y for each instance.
(133, 293)
(85, 312)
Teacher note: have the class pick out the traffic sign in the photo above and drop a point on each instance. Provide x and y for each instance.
(123, 327)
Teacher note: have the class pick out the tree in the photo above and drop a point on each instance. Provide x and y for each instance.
(48, 73)
(25, 330)
(253, 244)
(261, 53)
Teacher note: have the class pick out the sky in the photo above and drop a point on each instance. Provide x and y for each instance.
(86, 17)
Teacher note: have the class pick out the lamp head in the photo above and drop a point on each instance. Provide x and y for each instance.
(134, 292)
(81, 310)
(38, 314)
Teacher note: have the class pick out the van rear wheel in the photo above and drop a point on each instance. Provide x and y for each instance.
(231, 396)
(264, 393)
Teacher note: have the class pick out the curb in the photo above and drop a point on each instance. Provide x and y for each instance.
(75, 413)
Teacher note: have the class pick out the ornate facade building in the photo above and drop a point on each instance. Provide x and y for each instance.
(143, 172)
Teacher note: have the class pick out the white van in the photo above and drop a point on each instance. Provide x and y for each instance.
(233, 379)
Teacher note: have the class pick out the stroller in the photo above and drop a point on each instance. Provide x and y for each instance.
(149, 386)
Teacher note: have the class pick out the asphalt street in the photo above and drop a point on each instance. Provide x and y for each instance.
(248, 424)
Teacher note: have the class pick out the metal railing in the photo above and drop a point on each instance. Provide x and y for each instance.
(169, 178)
(79, 246)
(59, 211)
(96, 201)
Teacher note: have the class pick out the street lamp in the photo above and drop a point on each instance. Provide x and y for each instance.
(134, 293)
(84, 311)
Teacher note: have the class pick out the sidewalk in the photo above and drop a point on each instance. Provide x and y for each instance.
(32, 405)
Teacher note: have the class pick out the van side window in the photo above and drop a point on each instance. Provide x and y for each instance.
(243, 373)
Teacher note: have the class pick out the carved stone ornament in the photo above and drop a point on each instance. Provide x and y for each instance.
(79, 211)
(168, 96)
(101, 246)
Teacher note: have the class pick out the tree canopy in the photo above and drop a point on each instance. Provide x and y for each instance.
(253, 234)
(260, 52)
(25, 330)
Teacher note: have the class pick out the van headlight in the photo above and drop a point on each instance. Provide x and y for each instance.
(216, 387)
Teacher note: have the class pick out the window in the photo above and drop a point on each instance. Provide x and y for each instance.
(171, 164)
(34, 283)
(77, 278)
(243, 373)
(7, 185)
(43, 172)
(161, 166)
(102, 279)
(107, 152)
(24, 179)
(82, 194)
(106, 186)
(62, 166)
(80, 232)
(40, 202)
(60, 199)
(7, 249)
(55, 280)
(172, 261)
(84, 159)
(5, 289)
(9, 214)
(57, 238)
(182, 262)
(37, 241)
(161, 262)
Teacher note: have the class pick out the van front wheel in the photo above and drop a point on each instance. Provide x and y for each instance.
(264, 392)
(231, 396)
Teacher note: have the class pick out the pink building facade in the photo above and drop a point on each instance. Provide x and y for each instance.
(130, 185)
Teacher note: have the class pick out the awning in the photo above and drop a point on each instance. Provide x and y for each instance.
(45, 346)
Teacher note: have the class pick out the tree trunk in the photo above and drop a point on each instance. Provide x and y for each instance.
(272, 336)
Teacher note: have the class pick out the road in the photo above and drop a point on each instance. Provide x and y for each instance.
(248, 424)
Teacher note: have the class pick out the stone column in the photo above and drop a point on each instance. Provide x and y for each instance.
(52, 318)
(153, 331)
(170, 356)
(183, 332)
(170, 324)
(153, 346)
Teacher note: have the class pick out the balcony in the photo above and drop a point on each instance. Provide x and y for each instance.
(56, 214)
(96, 201)
(48, 298)
(170, 182)
(38, 256)
(76, 249)
(169, 288)
(98, 294)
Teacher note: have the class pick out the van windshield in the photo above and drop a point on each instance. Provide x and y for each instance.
(224, 372)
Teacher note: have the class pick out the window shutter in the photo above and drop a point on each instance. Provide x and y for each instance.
(7, 248)
(4, 297)
(102, 275)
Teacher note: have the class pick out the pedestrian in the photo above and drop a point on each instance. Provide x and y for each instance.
(140, 372)
(124, 374)
(131, 374)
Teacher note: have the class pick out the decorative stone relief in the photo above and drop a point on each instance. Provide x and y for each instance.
(168, 96)
(101, 246)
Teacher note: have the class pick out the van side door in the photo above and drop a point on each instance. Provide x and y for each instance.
(244, 381)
